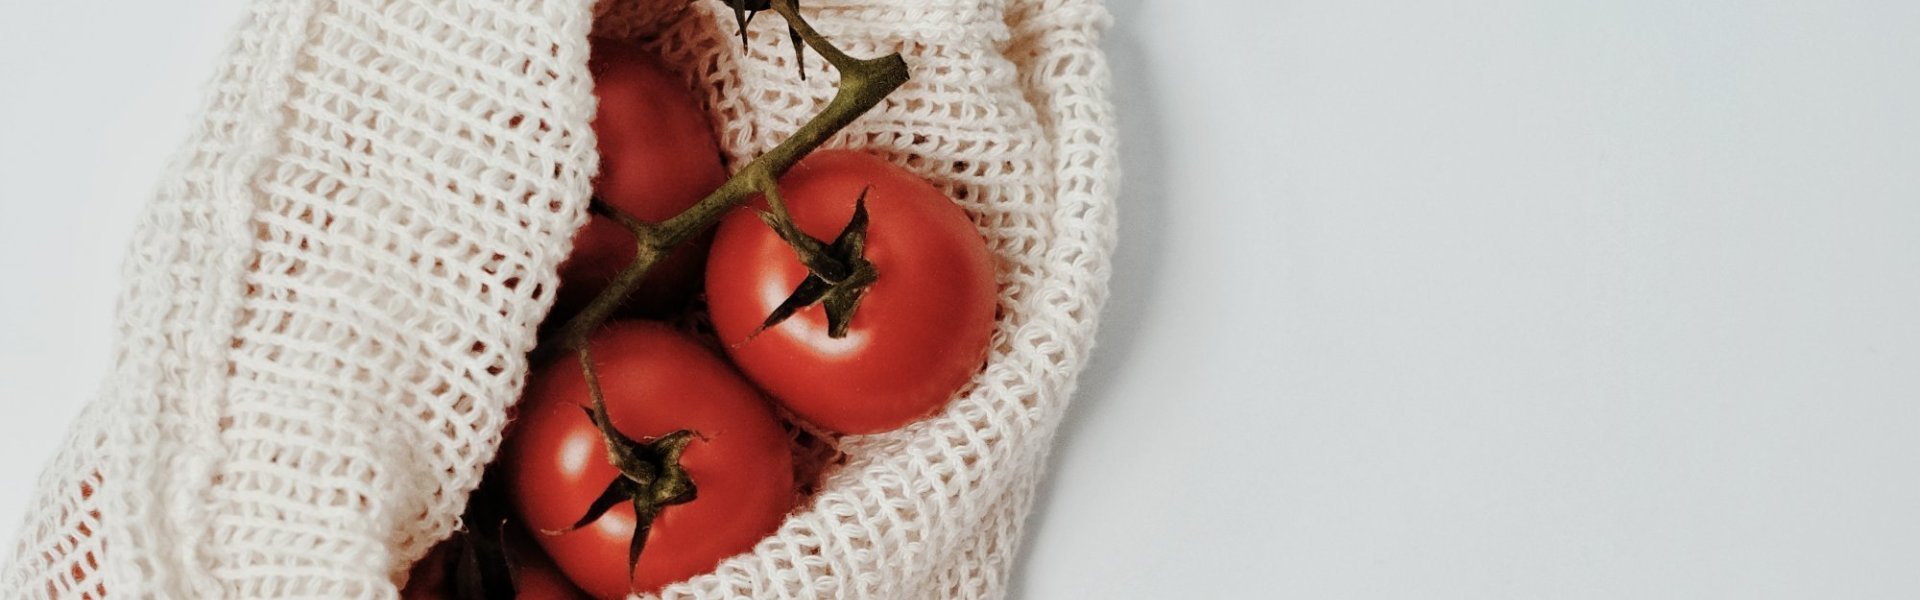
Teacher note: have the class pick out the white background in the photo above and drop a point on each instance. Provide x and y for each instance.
(1573, 299)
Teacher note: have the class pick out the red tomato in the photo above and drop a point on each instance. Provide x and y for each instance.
(534, 576)
(428, 578)
(919, 333)
(537, 579)
(656, 381)
(657, 157)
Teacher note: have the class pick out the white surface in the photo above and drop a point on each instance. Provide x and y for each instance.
(95, 97)
(1415, 299)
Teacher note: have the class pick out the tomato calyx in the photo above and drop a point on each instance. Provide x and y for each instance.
(838, 274)
(745, 10)
(481, 568)
(651, 477)
(475, 560)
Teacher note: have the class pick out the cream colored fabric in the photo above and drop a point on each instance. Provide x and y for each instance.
(329, 301)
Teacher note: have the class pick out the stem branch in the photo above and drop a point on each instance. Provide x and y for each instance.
(651, 475)
(863, 84)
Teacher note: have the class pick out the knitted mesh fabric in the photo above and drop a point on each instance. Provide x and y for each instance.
(328, 303)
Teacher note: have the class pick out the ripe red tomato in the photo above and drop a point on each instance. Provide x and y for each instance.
(657, 157)
(534, 576)
(537, 578)
(918, 334)
(656, 381)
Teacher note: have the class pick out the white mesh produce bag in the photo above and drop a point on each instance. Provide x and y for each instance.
(328, 304)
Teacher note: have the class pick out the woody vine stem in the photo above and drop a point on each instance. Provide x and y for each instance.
(650, 476)
(863, 84)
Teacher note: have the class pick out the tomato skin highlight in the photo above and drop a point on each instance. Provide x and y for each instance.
(921, 331)
(657, 158)
(655, 381)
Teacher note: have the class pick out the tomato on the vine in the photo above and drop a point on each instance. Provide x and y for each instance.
(655, 382)
(657, 157)
(917, 332)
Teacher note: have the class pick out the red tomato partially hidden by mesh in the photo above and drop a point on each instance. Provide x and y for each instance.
(920, 332)
(657, 158)
(656, 381)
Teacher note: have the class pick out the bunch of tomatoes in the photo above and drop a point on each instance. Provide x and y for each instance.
(703, 417)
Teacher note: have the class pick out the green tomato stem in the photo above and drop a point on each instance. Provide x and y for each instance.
(651, 476)
(863, 84)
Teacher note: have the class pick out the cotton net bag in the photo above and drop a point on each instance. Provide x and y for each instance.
(328, 305)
